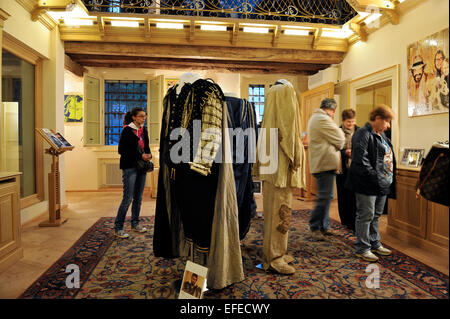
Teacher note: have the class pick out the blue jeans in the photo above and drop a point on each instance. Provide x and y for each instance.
(369, 208)
(320, 216)
(133, 188)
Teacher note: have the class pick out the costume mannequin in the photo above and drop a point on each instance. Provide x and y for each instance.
(187, 78)
(283, 113)
(231, 94)
(242, 119)
(197, 203)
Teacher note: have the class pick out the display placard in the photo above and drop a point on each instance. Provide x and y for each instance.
(55, 139)
(257, 187)
(194, 281)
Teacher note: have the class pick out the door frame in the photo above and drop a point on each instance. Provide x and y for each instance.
(393, 74)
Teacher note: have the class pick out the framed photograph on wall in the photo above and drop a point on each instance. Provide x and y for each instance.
(412, 157)
(428, 75)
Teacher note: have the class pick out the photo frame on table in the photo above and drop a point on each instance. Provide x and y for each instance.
(412, 157)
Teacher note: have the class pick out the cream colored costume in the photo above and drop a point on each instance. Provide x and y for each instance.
(282, 113)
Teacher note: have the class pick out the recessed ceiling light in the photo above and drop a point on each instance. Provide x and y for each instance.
(296, 32)
(129, 24)
(211, 27)
(256, 30)
(163, 25)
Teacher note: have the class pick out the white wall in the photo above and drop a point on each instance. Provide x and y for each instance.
(48, 45)
(81, 164)
(20, 26)
(82, 171)
(387, 47)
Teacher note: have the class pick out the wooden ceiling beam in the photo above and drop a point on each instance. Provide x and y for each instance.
(359, 30)
(147, 27)
(101, 25)
(316, 38)
(235, 36)
(101, 59)
(189, 67)
(362, 5)
(73, 66)
(393, 16)
(205, 52)
(276, 36)
(191, 31)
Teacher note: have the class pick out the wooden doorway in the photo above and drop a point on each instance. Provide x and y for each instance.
(309, 101)
(382, 87)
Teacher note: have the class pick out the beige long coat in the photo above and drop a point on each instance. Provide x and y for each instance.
(326, 140)
(282, 113)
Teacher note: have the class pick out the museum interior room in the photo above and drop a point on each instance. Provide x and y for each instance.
(228, 69)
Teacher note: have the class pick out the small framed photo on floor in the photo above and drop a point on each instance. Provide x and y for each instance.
(193, 284)
(412, 157)
(257, 187)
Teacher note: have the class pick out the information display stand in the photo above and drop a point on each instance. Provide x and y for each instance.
(58, 145)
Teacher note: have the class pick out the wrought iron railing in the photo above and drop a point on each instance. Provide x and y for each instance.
(310, 11)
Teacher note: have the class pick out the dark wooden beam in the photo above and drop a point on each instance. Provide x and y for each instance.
(196, 64)
(199, 66)
(95, 58)
(73, 66)
(205, 52)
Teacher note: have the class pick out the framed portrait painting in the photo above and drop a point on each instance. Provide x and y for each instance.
(428, 75)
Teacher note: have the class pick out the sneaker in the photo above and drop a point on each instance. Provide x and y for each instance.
(382, 251)
(329, 232)
(139, 229)
(368, 256)
(121, 234)
(317, 235)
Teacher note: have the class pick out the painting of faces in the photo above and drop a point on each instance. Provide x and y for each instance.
(428, 75)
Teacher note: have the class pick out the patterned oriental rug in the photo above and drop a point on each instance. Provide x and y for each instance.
(112, 268)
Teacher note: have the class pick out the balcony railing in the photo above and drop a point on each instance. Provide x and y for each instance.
(307, 11)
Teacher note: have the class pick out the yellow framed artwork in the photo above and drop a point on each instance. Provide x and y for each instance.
(73, 108)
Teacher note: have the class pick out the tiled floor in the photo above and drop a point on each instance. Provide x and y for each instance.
(43, 246)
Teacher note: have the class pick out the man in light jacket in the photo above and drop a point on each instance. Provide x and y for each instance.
(326, 140)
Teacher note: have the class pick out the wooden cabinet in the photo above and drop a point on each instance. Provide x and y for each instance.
(417, 220)
(10, 228)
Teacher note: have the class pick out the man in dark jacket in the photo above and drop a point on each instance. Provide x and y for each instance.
(372, 177)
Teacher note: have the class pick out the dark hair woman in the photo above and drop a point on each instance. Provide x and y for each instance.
(133, 145)
(346, 197)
